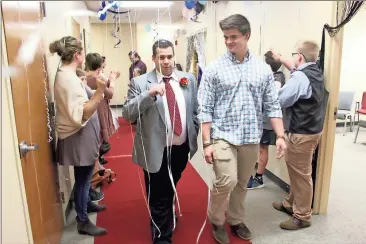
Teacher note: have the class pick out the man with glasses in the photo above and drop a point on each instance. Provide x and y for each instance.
(303, 94)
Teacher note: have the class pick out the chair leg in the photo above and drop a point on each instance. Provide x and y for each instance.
(358, 129)
(345, 127)
(351, 123)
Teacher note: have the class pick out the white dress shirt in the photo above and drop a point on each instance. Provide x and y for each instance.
(179, 96)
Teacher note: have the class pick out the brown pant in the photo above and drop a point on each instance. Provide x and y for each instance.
(299, 154)
(233, 167)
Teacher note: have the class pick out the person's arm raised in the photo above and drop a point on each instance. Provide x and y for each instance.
(91, 106)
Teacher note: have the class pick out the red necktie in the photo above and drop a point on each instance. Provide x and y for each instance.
(173, 107)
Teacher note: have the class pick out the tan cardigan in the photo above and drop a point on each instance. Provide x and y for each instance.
(70, 97)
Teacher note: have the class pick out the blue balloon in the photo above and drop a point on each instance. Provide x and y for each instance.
(102, 16)
(190, 3)
(148, 28)
(203, 2)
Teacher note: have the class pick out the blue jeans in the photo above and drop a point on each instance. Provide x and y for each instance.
(83, 176)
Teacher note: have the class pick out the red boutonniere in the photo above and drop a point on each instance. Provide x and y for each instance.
(183, 82)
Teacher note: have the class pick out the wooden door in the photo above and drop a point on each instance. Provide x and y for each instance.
(75, 29)
(28, 91)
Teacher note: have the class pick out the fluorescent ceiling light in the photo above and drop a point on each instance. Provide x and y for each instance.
(145, 4)
(31, 5)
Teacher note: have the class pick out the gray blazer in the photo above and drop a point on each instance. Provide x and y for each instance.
(151, 127)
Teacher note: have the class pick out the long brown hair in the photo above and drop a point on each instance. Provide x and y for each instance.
(66, 47)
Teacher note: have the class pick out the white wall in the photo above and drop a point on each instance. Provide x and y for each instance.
(145, 41)
(353, 71)
(15, 223)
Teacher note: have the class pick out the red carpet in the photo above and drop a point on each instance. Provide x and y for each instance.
(127, 218)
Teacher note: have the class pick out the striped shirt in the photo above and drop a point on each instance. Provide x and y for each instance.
(233, 96)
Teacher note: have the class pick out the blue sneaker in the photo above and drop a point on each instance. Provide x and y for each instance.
(255, 183)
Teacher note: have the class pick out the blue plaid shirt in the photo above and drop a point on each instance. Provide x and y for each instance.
(234, 95)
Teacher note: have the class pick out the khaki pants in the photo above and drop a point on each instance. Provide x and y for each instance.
(233, 167)
(299, 155)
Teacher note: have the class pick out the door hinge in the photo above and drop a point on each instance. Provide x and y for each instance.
(62, 197)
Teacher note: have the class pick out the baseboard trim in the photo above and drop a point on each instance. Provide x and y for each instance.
(283, 185)
(341, 124)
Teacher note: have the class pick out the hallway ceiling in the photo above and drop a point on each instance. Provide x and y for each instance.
(140, 15)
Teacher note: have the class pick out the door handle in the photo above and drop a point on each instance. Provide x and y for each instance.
(24, 148)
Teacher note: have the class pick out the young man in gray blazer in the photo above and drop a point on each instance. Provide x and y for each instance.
(164, 104)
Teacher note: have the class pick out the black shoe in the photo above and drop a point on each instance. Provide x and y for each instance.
(95, 208)
(88, 228)
(102, 161)
(95, 196)
(104, 149)
(106, 144)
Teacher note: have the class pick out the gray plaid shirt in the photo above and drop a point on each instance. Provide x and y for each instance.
(231, 96)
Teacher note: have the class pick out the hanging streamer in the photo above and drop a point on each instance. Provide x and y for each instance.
(116, 29)
(260, 33)
(213, 14)
(155, 32)
(146, 198)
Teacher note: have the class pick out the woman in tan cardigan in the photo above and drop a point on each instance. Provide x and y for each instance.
(77, 127)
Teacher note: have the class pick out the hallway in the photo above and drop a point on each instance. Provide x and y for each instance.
(344, 222)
